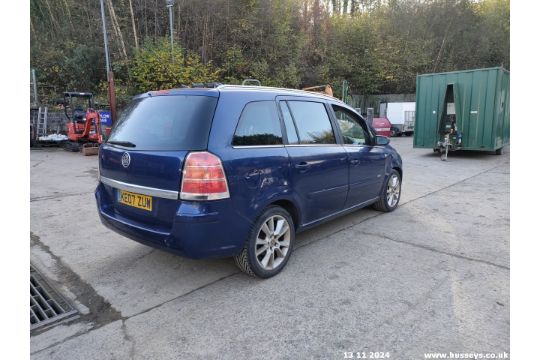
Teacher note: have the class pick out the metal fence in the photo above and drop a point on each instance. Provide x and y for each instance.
(56, 121)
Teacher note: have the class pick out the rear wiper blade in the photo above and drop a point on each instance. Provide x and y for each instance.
(122, 143)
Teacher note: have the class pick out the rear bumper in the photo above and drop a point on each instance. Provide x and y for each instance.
(198, 230)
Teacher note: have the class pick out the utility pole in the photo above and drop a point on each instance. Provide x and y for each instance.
(110, 76)
(34, 88)
(170, 4)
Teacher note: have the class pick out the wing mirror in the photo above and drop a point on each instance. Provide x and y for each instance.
(381, 140)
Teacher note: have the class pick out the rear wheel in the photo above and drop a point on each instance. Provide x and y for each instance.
(498, 151)
(391, 194)
(269, 245)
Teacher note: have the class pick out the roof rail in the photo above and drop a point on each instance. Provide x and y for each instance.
(248, 81)
(270, 88)
(208, 85)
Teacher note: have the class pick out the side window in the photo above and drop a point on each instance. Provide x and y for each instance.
(351, 127)
(292, 136)
(312, 122)
(258, 125)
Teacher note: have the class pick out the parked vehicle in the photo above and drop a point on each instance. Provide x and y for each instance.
(382, 126)
(84, 127)
(238, 170)
(401, 115)
(463, 110)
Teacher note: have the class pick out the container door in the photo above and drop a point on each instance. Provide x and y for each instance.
(450, 120)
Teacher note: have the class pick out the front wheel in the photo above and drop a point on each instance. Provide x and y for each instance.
(269, 245)
(391, 194)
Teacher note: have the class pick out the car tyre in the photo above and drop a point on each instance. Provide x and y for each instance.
(498, 151)
(269, 245)
(391, 193)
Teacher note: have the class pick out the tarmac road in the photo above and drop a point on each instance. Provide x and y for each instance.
(433, 276)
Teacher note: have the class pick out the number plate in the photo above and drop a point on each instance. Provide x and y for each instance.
(136, 200)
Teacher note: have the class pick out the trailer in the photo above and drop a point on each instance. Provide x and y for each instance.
(463, 110)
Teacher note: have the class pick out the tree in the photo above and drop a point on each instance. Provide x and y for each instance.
(377, 46)
(153, 68)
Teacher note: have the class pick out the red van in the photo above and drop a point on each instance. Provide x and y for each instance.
(382, 126)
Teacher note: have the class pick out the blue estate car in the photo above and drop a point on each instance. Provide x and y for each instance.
(238, 170)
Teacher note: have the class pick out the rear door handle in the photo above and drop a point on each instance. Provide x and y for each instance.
(252, 173)
(355, 161)
(302, 166)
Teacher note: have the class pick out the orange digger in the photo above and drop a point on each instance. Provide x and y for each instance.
(84, 126)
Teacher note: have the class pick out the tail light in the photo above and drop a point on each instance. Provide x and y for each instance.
(203, 178)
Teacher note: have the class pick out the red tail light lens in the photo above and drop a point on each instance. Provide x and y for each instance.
(203, 178)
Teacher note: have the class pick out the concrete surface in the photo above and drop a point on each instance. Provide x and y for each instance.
(431, 276)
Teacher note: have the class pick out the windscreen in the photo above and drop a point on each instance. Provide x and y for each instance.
(175, 122)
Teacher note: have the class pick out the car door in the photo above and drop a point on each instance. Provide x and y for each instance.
(319, 169)
(366, 162)
(258, 163)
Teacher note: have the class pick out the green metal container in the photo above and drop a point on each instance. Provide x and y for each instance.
(463, 110)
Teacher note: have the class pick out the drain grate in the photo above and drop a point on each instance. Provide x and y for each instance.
(47, 306)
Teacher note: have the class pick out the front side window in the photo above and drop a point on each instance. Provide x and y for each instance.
(258, 125)
(312, 122)
(351, 129)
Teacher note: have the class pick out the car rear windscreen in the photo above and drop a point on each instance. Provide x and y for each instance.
(173, 122)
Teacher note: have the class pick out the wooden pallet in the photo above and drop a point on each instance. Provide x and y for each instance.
(90, 149)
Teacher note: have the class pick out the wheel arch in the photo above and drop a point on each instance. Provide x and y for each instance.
(291, 208)
(398, 169)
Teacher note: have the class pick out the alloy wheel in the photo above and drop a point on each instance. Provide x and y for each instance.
(393, 190)
(273, 241)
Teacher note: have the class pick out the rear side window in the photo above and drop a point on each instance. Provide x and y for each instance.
(258, 125)
(312, 122)
(175, 122)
